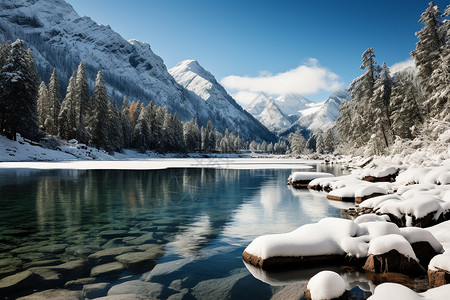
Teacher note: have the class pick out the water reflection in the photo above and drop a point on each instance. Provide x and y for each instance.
(203, 217)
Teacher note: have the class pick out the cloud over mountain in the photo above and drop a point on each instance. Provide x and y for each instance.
(306, 79)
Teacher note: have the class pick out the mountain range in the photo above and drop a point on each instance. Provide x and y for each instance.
(286, 113)
(60, 39)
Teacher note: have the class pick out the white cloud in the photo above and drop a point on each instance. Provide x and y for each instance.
(244, 97)
(306, 79)
(400, 66)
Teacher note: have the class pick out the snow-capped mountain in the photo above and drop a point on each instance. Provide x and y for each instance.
(324, 114)
(292, 105)
(285, 114)
(203, 86)
(278, 113)
(60, 38)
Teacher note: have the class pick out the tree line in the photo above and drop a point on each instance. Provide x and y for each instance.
(34, 110)
(386, 107)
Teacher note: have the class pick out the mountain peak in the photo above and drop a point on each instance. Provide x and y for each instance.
(190, 68)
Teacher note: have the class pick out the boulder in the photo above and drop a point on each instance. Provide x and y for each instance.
(108, 255)
(393, 261)
(151, 290)
(55, 294)
(18, 282)
(293, 262)
(424, 252)
(140, 262)
(107, 270)
(438, 277)
(95, 290)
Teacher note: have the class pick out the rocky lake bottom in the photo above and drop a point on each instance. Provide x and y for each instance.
(173, 233)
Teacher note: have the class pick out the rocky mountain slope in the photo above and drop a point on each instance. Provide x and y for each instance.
(60, 38)
(202, 85)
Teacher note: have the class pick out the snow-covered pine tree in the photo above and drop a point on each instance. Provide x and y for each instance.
(355, 117)
(141, 136)
(427, 53)
(42, 105)
(100, 120)
(405, 113)
(297, 142)
(114, 129)
(54, 102)
(82, 96)
(191, 135)
(209, 138)
(438, 103)
(125, 121)
(83, 105)
(18, 93)
(67, 118)
(379, 107)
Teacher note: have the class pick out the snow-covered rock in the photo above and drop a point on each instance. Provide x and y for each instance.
(358, 192)
(301, 179)
(386, 243)
(388, 290)
(377, 175)
(326, 285)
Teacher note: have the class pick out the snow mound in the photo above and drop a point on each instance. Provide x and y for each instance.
(384, 244)
(371, 218)
(378, 173)
(441, 261)
(361, 190)
(326, 285)
(417, 201)
(388, 290)
(333, 183)
(332, 236)
(307, 176)
(416, 234)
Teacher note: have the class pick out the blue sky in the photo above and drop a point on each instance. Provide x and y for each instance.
(244, 44)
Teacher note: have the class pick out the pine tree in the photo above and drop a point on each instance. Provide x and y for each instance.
(67, 118)
(404, 107)
(114, 129)
(379, 108)
(83, 105)
(427, 53)
(125, 121)
(297, 142)
(191, 135)
(141, 136)
(82, 96)
(100, 120)
(54, 102)
(42, 104)
(438, 103)
(18, 93)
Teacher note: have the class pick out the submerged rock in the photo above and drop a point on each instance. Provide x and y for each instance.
(140, 262)
(55, 294)
(107, 270)
(108, 255)
(17, 282)
(150, 290)
(95, 290)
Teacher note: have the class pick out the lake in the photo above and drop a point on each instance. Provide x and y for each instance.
(179, 232)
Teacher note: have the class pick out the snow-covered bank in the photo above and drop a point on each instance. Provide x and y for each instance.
(26, 154)
(163, 163)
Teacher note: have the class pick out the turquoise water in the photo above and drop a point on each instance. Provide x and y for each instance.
(202, 219)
